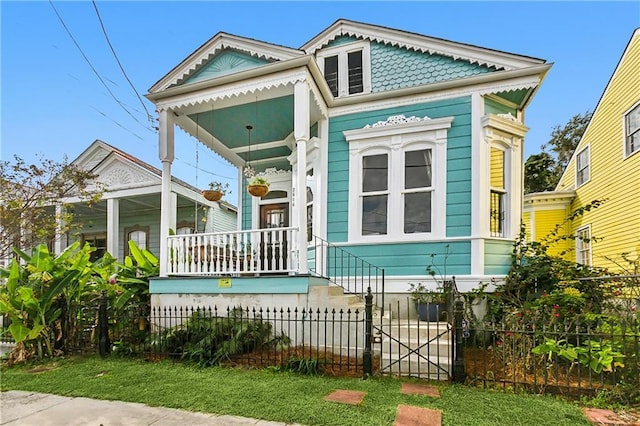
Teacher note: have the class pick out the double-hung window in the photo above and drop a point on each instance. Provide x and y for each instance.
(347, 68)
(583, 246)
(582, 167)
(498, 192)
(375, 194)
(139, 235)
(632, 131)
(418, 186)
(398, 180)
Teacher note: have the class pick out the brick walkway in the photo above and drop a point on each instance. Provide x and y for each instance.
(407, 415)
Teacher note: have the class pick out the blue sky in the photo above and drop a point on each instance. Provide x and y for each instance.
(52, 103)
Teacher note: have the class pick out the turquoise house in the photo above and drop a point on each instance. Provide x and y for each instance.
(394, 149)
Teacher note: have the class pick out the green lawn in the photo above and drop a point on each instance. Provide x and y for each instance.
(278, 396)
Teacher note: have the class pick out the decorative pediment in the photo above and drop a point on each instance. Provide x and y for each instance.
(243, 48)
(397, 119)
(118, 173)
(93, 155)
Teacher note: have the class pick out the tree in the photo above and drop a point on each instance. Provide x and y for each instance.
(538, 173)
(543, 170)
(29, 194)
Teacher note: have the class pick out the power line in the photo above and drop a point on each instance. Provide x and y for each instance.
(104, 31)
(118, 124)
(92, 67)
(205, 171)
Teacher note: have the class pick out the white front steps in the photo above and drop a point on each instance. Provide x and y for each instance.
(414, 348)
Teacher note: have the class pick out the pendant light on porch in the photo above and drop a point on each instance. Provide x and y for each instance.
(249, 172)
(257, 186)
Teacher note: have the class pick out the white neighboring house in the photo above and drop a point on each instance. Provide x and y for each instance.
(130, 206)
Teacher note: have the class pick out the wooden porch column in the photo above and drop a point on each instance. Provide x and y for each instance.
(113, 226)
(166, 148)
(60, 241)
(301, 134)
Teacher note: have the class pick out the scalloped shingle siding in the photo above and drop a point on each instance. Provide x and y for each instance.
(396, 68)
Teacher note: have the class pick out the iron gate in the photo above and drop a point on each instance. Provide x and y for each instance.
(414, 348)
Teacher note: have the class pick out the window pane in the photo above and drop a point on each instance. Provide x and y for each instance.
(374, 173)
(309, 222)
(184, 230)
(582, 165)
(496, 214)
(374, 215)
(633, 120)
(417, 169)
(497, 168)
(633, 130)
(331, 73)
(354, 60)
(417, 212)
(140, 238)
(633, 143)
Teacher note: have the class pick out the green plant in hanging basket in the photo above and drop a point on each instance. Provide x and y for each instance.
(216, 191)
(258, 186)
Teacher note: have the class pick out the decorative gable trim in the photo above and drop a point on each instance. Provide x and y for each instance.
(253, 85)
(117, 174)
(420, 43)
(216, 44)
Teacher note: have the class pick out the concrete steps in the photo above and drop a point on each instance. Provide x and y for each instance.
(414, 348)
(404, 347)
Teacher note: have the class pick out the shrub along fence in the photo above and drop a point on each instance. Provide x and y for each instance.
(576, 357)
(306, 340)
(580, 339)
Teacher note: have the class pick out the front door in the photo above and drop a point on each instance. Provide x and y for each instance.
(273, 244)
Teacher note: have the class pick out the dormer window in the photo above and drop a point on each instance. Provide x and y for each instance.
(347, 68)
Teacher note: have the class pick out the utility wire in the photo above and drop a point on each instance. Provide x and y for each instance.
(104, 31)
(205, 171)
(93, 68)
(118, 124)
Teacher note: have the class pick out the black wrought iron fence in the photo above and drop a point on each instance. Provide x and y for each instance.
(326, 340)
(579, 356)
(5, 335)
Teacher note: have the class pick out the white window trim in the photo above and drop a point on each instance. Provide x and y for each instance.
(505, 190)
(588, 149)
(579, 242)
(625, 153)
(394, 138)
(505, 132)
(341, 52)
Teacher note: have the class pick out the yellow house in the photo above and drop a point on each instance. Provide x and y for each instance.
(604, 166)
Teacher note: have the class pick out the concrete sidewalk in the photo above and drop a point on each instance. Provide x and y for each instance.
(30, 408)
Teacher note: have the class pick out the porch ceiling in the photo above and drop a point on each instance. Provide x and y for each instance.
(271, 119)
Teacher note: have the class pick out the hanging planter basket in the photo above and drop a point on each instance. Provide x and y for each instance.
(258, 190)
(212, 195)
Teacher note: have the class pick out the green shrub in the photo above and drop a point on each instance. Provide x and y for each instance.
(206, 340)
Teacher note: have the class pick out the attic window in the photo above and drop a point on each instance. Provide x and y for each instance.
(331, 73)
(354, 70)
(347, 68)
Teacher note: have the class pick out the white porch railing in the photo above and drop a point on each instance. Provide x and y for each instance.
(234, 253)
